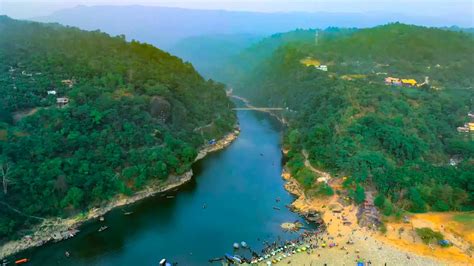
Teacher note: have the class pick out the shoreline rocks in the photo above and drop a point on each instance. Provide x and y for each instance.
(58, 229)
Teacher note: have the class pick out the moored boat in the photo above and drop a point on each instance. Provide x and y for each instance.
(103, 228)
(21, 261)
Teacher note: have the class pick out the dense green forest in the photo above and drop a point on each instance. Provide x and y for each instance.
(398, 141)
(238, 56)
(134, 114)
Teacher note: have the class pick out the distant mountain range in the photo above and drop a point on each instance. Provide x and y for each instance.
(165, 26)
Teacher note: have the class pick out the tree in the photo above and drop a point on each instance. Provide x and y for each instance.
(5, 116)
(427, 235)
(294, 137)
(379, 201)
(74, 197)
(359, 195)
(5, 171)
(418, 204)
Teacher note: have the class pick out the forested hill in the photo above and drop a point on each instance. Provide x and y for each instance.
(398, 141)
(236, 69)
(85, 116)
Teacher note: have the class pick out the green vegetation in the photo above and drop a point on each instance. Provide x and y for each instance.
(398, 140)
(236, 69)
(135, 114)
(428, 236)
(210, 53)
(467, 219)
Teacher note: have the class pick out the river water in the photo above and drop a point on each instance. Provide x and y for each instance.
(232, 198)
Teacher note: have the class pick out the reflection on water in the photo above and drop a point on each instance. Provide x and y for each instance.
(231, 199)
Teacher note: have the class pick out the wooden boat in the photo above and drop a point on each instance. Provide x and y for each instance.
(21, 261)
(233, 259)
(103, 228)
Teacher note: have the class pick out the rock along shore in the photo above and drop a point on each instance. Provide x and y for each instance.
(58, 229)
(342, 227)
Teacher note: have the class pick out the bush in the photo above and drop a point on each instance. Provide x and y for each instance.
(383, 228)
(325, 190)
(306, 178)
(427, 235)
(359, 194)
(379, 201)
(441, 206)
(387, 208)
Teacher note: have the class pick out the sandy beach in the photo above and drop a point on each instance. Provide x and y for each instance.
(352, 243)
(57, 229)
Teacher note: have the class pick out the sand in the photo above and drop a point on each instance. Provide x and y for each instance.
(373, 246)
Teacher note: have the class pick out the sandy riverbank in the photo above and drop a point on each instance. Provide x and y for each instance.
(57, 229)
(369, 245)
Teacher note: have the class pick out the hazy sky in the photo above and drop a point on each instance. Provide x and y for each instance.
(438, 8)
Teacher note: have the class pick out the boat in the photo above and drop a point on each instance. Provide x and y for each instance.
(233, 259)
(103, 228)
(215, 260)
(236, 245)
(243, 244)
(276, 208)
(164, 262)
(127, 213)
(169, 197)
(21, 261)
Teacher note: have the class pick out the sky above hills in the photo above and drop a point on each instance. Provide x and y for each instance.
(453, 11)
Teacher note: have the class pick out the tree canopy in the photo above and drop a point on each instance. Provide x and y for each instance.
(131, 117)
(399, 140)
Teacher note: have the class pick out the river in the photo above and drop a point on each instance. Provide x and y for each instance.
(232, 198)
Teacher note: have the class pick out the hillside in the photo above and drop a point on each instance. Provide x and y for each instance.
(399, 141)
(236, 69)
(85, 116)
(209, 53)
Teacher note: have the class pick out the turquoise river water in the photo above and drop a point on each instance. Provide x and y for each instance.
(239, 186)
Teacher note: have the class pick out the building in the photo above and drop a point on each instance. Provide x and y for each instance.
(409, 82)
(463, 129)
(62, 101)
(466, 128)
(471, 126)
(322, 67)
(309, 61)
(400, 82)
(393, 81)
(68, 82)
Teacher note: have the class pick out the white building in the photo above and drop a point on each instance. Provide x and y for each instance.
(322, 67)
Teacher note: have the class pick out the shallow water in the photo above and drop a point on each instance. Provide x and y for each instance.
(238, 187)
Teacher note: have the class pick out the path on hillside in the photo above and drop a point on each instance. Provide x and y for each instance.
(323, 176)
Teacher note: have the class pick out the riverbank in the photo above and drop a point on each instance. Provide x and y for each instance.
(352, 242)
(57, 229)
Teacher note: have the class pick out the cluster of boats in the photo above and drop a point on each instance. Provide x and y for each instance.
(272, 257)
(17, 262)
(283, 252)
